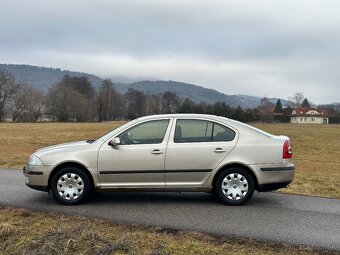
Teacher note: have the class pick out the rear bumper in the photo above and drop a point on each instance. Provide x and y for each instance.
(273, 176)
(272, 186)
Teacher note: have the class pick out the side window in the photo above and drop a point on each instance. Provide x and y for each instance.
(189, 131)
(222, 133)
(151, 132)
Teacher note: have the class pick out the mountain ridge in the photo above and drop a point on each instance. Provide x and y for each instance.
(44, 77)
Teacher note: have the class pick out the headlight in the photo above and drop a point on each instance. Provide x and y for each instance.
(34, 161)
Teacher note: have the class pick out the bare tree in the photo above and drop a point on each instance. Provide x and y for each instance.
(265, 105)
(134, 103)
(7, 89)
(67, 104)
(27, 104)
(266, 108)
(81, 84)
(296, 99)
(106, 101)
(152, 104)
(170, 102)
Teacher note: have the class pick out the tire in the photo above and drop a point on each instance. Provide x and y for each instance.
(71, 186)
(234, 186)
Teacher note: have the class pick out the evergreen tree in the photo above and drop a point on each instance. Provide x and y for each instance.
(305, 103)
(278, 107)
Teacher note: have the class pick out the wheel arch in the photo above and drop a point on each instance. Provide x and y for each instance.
(236, 165)
(70, 164)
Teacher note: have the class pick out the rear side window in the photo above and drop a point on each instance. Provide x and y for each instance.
(222, 133)
(190, 131)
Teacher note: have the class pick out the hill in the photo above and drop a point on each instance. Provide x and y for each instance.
(196, 93)
(44, 77)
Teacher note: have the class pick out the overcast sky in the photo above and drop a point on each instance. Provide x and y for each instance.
(263, 47)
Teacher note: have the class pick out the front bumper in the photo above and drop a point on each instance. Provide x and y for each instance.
(36, 177)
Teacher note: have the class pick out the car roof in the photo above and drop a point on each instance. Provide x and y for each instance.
(181, 115)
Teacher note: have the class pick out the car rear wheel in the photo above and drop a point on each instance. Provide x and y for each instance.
(71, 186)
(234, 186)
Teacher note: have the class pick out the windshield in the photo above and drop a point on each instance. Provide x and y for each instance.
(114, 131)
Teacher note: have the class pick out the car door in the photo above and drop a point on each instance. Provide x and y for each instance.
(195, 148)
(138, 161)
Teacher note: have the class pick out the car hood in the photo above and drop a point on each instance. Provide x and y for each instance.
(58, 147)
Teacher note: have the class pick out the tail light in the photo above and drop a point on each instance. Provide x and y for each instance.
(287, 150)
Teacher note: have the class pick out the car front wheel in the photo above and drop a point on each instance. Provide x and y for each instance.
(71, 186)
(234, 186)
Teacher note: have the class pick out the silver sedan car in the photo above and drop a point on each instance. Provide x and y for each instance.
(174, 152)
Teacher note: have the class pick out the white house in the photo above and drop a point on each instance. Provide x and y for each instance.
(309, 115)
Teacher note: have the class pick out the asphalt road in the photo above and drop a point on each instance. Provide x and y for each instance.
(294, 219)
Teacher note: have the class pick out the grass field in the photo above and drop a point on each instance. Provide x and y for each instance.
(316, 149)
(26, 232)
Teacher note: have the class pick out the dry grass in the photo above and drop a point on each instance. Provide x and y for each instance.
(316, 149)
(20, 140)
(27, 232)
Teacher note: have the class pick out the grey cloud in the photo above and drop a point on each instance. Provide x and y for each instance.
(265, 47)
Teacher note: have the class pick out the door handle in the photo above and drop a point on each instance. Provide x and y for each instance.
(219, 150)
(156, 152)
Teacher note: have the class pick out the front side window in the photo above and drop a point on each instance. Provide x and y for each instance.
(151, 132)
(189, 131)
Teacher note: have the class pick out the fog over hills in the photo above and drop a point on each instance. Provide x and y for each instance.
(44, 77)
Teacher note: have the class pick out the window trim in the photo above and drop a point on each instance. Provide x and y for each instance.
(212, 131)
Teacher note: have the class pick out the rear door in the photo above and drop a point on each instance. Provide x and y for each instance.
(195, 148)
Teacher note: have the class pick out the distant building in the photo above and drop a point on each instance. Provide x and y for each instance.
(309, 115)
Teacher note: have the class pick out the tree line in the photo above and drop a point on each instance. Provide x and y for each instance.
(75, 99)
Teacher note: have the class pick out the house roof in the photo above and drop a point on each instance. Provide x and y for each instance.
(309, 111)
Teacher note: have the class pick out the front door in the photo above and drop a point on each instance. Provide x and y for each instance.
(195, 148)
(139, 160)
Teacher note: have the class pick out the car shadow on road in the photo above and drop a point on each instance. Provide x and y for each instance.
(169, 198)
(161, 198)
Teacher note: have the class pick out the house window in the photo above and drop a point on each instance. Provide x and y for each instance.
(312, 119)
(301, 119)
(305, 119)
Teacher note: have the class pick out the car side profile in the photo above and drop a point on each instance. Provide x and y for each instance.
(172, 152)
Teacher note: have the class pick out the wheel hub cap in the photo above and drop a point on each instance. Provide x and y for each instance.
(70, 186)
(235, 186)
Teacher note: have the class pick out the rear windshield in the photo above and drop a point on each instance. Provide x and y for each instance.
(253, 128)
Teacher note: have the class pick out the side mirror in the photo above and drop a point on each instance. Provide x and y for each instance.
(115, 141)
